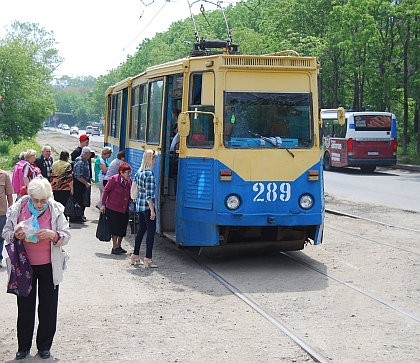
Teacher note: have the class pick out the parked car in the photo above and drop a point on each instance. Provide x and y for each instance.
(59, 126)
(74, 130)
(96, 131)
(66, 127)
(89, 130)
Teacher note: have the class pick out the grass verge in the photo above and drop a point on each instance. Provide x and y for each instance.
(9, 153)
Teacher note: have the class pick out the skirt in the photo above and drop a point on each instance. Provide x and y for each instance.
(117, 222)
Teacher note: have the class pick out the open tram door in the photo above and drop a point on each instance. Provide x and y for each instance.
(167, 175)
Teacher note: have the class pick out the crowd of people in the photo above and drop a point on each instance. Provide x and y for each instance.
(37, 223)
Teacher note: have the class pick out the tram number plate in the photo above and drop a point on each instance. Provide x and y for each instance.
(270, 192)
(373, 153)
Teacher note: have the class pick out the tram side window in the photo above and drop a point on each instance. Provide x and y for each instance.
(138, 113)
(154, 120)
(115, 116)
(201, 125)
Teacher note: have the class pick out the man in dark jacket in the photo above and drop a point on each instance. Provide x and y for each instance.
(44, 162)
(83, 141)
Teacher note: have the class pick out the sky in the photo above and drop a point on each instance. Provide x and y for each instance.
(95, 36)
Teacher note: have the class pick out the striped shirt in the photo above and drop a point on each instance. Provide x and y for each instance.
(146, 184)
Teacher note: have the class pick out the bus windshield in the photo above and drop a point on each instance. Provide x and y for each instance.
(267, 120)
(372, 123)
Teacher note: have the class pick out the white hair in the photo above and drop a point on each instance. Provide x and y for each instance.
(40, 187)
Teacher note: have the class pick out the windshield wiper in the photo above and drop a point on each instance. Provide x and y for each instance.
(270, 142)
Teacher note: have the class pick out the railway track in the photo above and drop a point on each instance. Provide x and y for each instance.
(313, 349)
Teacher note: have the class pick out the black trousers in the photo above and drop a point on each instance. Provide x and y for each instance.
(42, 281)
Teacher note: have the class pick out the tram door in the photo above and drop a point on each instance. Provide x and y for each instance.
(123, 126)
(169, 158)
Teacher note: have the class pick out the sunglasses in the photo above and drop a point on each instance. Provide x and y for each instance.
(39, 201)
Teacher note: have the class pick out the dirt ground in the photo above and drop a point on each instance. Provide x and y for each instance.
(110, 311)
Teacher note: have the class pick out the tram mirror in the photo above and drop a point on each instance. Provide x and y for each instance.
(207, 94)
(341, 115)
(184, 124)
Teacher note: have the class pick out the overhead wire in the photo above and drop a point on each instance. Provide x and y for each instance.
(124, 48)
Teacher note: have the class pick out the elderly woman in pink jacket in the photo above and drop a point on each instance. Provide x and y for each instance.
(115, 202)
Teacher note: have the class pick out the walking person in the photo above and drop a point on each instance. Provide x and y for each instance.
(44, 162)
(113, 167)
(81, 180)
(47, 261)
(83, 142)
(115, 201)
(17, 176)
(30, 170)
(62, 178)
(101, 168)
(6, 200)
(146, 185)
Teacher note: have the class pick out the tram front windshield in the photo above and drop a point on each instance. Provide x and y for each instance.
(268, 120)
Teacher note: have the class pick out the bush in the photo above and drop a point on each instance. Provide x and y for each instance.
(11, 157)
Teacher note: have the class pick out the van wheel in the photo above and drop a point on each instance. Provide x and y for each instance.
(368, 168)
(327, 162)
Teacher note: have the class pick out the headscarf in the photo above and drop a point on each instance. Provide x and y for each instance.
(35, 213)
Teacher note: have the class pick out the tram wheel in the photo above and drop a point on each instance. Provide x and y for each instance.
(327, 162)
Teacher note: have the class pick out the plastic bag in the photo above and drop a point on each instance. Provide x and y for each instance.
(29, 228)
(72, 208)
(102, 231)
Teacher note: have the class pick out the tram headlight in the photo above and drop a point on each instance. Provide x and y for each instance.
(232, 202)
(306, 201)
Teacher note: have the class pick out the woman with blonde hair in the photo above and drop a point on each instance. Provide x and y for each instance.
(47, 259)
(146, 185)
(30, 170)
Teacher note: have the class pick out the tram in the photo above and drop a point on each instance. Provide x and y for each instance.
(247, 169)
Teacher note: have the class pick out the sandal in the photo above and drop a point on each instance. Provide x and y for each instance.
(149, 263)
(135, 261)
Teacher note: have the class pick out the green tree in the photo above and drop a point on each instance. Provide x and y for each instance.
(27, 61)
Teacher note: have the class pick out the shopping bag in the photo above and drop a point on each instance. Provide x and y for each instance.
(86, 198)
(72, 208)
(19, 268)
(102, 231)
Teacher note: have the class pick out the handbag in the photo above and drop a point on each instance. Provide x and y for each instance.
(86, 198)
(19, 269)
(134, 192)
(102, 231)
(72, 208)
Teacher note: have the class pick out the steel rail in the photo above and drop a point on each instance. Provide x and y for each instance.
(307, 348)
(332, 211)
(372, 240)
(354, 287)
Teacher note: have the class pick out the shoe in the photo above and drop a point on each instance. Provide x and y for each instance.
(44, 354)
(121, 249)
(21, 354)
(84, 219)
(135, 261)
(1, 263)
(149, 263)
(116, 251)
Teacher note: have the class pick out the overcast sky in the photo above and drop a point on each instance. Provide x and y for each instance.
(94, 36)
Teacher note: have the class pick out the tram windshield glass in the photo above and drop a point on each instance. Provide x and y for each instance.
(267, 120)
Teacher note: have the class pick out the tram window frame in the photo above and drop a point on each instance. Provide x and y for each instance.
(201, 125)
(115, 115)
(154, 115)
(138, 112)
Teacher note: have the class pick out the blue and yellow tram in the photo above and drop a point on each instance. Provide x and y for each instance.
(247, 168)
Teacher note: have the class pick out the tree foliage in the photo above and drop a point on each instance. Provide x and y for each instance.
(27, 60)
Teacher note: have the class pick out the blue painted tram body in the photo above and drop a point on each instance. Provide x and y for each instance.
(220, 188)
